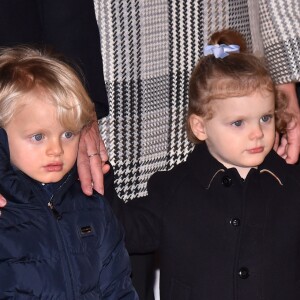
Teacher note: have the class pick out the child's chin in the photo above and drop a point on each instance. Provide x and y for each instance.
(49, 179)
(258, 158)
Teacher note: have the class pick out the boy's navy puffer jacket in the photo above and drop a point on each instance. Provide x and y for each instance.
(68, 246)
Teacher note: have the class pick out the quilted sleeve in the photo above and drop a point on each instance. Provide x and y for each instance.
(115, 281)
(6, 171)
(10, 186)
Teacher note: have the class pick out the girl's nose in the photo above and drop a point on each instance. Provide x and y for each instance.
(256, 132)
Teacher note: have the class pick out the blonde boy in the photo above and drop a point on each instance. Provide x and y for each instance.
(55, 241)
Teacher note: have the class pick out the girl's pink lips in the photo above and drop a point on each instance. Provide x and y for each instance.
(256, 150)
(54, 167)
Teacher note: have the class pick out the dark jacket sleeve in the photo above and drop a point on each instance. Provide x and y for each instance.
(140, 217)
(68, 27)
(10, 186)
(6, 172)
(115, 281)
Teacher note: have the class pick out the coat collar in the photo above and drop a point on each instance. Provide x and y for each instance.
(206, 168)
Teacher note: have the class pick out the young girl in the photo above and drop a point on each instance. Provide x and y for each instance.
(226, 222)
(56, 242)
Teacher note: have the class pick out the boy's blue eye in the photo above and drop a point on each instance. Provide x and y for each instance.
(237, 123)
(38, 137)
(68, 134)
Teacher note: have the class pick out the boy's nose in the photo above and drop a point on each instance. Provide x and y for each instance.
(55, 148)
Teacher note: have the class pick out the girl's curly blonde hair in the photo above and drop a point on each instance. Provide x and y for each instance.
(236, 75)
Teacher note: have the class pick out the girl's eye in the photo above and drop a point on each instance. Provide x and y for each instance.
(266, 118)
(68, 134)
(37, 137)
(237, 123)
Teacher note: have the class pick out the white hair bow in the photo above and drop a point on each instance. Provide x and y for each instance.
(220, 51)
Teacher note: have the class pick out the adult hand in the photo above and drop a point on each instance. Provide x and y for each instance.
(289, 145)
(2, 201)
(91, 160)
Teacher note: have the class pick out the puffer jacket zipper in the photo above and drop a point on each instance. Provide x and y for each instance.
(66, 263)
(56, 214)
(62, 241)
(63, 245)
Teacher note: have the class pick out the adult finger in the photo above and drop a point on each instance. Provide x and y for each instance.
(3, 201)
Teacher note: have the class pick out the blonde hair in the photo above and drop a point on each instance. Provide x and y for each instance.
(238, 74)
(24, 70)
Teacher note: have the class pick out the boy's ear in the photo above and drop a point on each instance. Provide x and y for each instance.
(197, 125)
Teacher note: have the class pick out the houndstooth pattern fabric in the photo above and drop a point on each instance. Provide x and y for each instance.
(280, 23)
(149, 49)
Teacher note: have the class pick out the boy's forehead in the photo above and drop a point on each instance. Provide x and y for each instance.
(31, 99)
(36, 97)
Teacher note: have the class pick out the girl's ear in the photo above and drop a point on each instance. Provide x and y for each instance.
(197, 125)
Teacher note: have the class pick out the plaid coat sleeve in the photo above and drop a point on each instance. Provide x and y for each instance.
(280, 30)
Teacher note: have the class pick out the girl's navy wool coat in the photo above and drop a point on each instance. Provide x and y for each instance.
(218, 236)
